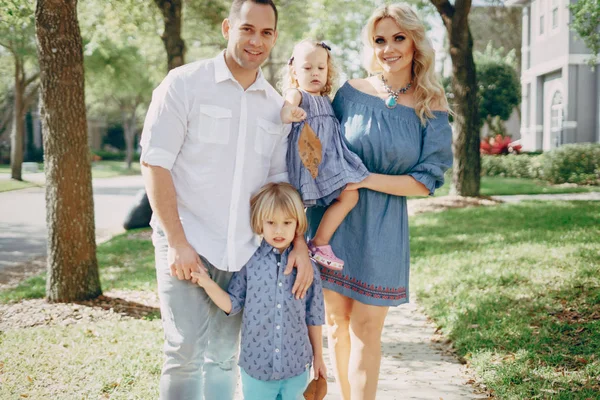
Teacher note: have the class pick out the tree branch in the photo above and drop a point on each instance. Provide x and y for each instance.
(444, 8)
(31, 79)
(29, 97)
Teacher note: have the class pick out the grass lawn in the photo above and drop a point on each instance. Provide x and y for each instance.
(516, 287)
(497, 186)
(100, 169)
(109, 169)
(10, 184)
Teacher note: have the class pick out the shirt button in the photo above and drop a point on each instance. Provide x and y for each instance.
(279, 264)
(278, 305)
(278, 327)
(276, 350)
(280, 284)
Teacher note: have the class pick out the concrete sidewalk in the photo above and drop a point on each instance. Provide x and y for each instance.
(413, 366)
(23, 216)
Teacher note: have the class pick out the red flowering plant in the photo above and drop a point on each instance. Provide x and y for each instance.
(499, 144)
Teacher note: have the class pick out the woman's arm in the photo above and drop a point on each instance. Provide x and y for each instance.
(397, 185)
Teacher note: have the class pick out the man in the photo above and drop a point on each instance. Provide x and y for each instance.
(212, 137)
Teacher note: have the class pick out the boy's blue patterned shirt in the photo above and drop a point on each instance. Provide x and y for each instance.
(275, 343)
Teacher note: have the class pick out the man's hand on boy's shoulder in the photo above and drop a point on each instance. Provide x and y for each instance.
(299, 259)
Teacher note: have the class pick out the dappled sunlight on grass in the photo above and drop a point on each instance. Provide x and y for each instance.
(116, 358)
(523, 280)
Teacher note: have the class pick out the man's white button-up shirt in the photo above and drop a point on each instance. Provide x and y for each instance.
(221, 144)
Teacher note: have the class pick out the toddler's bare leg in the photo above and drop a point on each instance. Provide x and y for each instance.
(334, 216)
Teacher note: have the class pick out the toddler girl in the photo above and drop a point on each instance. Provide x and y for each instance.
(319, 163)
(281, 336)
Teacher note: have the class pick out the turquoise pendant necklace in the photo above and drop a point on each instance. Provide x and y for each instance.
(392, 99)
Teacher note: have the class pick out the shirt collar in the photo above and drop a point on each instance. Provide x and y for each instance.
(265, 248)
(222, 73)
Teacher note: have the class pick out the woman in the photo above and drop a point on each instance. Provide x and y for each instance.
(396, 121)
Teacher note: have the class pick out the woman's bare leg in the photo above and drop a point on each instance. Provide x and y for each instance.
(366, 325)
(334, 216)
(337, 311)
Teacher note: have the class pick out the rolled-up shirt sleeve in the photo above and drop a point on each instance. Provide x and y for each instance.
(237, 291)
(315, 307)
(436, 153)
(165, 125)
(278, 170)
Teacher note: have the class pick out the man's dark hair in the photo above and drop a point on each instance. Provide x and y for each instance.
(236, 6)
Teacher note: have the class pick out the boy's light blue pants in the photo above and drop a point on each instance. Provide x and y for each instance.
(285, 389)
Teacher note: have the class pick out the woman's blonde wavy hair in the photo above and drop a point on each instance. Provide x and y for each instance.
(428, 90)
(288, 81)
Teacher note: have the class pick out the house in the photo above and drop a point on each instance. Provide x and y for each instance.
(560, 91)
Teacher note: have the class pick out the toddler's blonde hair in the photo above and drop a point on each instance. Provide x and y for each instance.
(288, 81)
(274, 197)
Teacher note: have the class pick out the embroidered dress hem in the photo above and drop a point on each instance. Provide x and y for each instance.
(362, 291)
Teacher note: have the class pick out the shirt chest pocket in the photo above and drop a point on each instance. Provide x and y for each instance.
(214, 124)
(268, 135)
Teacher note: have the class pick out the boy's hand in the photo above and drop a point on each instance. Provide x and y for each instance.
(319, 368)
(202, 278)
(291, 114)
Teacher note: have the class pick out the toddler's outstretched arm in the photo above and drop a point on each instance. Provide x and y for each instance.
(290, 112)
(218, 296)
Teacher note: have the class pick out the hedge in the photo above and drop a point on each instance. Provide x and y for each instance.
(571, 163)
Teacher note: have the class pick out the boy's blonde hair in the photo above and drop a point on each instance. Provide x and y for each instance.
(428, 90)
(288, 81)
(277, 197)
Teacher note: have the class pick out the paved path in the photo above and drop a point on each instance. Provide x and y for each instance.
(567, 196)
(23, 216)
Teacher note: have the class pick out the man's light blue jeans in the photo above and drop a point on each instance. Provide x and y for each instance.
(201, 343)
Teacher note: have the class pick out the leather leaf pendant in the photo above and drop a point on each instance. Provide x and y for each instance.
(310, 149)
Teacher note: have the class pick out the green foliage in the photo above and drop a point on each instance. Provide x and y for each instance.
(586, 22)
(513, 166)
(17, 27)
(499, 88)
(124, 56)
(573, 163)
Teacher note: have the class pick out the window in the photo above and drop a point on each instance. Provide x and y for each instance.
(541, 19)
(526, 106)
(556, 120)
(555, 14)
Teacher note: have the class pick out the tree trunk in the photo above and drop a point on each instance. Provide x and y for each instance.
(174, 44)
(129, 121)
(72, 265)
(18, 126)
(467, 161)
